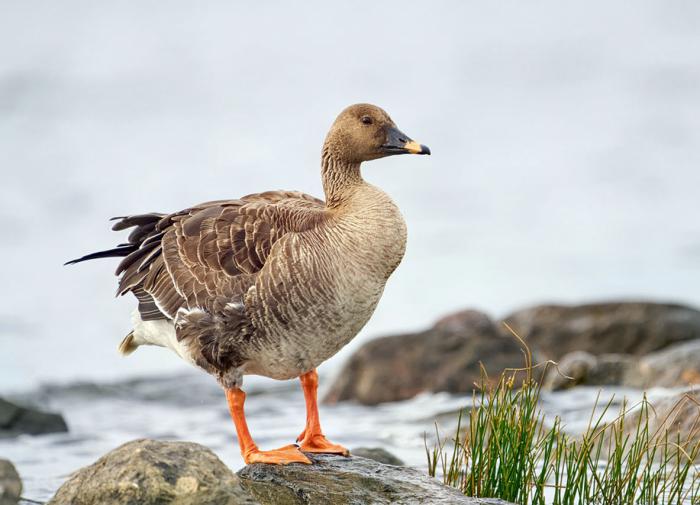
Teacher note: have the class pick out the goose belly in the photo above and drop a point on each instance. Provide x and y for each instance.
(311, 337)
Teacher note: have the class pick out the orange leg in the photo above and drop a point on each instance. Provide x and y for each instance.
(249, 451)
(312, 439)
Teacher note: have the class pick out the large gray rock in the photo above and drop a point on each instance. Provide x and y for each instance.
(336, 480)
(10, 483)
(445, 357)
(635, 328)
(17, 420)
(150, 472)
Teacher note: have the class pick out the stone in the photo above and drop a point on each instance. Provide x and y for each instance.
(377, 454)
(677, 415)
(635, 328)
(10, 483)
(150, 472)
(17, 420)
(583, 368)
(446, 357)
(677, 366)
(337, 480)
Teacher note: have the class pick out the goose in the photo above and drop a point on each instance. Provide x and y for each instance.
(273, 283)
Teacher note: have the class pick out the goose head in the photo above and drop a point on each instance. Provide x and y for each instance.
(364, 132)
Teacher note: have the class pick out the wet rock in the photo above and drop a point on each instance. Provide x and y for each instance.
(445, 357)
(150, 472)
(10, 483)
(377, 454)
(338, 480)
(635, 328)
(16, 420)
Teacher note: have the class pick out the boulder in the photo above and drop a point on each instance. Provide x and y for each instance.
(10, 483)
(17, 420)
(446, 357)
(636, 328)
(150, 472)
(336, 480)
(377, 454)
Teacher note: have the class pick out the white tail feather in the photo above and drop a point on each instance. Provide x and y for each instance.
(128, 345)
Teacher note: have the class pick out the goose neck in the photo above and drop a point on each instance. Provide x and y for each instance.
(340, 178)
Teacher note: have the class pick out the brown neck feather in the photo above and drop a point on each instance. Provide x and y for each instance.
(340, 177)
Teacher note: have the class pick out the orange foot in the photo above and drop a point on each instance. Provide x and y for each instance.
(282, 456)
(319, 444)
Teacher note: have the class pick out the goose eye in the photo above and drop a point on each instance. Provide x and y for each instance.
(366, 120)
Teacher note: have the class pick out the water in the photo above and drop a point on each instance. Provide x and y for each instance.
(565, 139)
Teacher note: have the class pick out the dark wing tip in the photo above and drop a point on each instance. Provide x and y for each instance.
(117, 252)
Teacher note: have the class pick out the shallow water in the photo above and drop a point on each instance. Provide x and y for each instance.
(191, 407)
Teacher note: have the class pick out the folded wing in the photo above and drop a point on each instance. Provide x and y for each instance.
(206, 256)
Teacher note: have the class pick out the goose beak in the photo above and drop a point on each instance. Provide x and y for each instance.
(414, 147)
(400, 143)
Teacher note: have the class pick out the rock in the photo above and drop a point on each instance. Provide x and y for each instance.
(676, 366)
(16, 420)
(679, 365)
(10, 483)
(635, 328)
(572, 370)
(377, 454)
(445, 357)
(336, 480)
(150, 472)
(582, 368)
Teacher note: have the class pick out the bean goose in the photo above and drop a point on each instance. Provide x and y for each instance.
(273, 283)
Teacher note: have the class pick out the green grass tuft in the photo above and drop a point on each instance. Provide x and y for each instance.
(507, 451)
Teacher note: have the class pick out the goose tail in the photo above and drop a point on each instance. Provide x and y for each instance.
(128, 345)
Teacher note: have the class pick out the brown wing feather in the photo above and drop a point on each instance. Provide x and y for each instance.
(207, 256)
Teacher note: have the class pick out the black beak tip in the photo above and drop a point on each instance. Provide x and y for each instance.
(424, 149)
